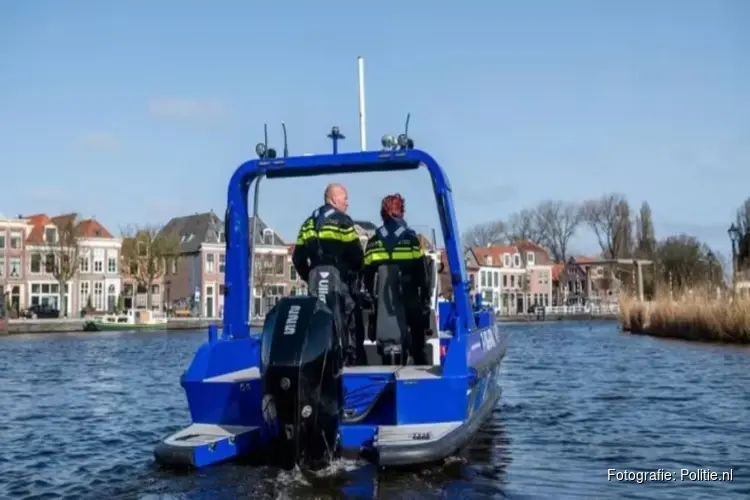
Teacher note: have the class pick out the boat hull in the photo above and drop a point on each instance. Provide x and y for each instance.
(393, 416)
(95, 326)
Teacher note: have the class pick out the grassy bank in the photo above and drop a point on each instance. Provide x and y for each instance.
(695, 318)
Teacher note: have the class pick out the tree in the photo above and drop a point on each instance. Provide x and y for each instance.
(525, 226)
(263, 271)
(687, 262)
(558, 221)
(743, 224)
(485, 234)
(623, 236)
(602, 215)
(146, 252)
(645, 241)
(62, 252)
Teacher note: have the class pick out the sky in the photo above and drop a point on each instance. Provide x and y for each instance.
(135, 112)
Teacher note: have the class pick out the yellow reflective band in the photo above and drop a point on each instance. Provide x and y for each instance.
(398, 255)
(328, 232)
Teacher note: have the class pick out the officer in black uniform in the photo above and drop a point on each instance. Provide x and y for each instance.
(329, 257)
(397, 244)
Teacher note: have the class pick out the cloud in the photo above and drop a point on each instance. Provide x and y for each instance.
(176, 108)
(99, 141)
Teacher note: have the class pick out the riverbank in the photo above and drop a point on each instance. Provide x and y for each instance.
(696, 319)
(550, 318)
(25, 326)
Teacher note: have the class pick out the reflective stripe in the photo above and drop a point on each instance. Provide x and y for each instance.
(400, 254)
(327, 232)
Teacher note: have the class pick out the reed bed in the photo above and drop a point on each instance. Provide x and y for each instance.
(692, 317)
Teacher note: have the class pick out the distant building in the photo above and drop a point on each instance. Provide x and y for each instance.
(196, 278)
(29, 248)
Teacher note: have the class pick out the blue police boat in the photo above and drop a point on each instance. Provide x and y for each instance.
(284, 395)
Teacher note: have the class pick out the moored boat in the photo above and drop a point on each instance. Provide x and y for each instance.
(132, 319)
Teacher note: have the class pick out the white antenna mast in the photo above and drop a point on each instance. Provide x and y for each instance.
(362, 131)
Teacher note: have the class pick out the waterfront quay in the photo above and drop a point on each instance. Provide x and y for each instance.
(62, 325)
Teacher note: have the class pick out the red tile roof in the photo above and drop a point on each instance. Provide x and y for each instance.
(556, 270)
(495, 252)
(88, 228)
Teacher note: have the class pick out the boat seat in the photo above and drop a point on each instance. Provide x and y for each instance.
(391, 328)
(325, 283)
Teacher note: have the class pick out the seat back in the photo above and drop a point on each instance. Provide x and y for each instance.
(326, 284)
(391, 327)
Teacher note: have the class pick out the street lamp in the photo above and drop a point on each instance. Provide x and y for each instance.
(734, 236)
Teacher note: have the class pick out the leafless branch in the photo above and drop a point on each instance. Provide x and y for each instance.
(558, 221)
(482, 235)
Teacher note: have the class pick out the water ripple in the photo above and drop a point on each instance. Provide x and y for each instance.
(81, 414)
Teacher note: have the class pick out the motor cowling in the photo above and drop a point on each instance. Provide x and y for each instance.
(303, 393)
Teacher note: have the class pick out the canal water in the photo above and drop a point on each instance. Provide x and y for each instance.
(80, 414)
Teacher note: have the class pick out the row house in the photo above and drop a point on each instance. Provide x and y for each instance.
(12, 261)
(195, 280)
(511, 278)
(31, 247)
(584, 279)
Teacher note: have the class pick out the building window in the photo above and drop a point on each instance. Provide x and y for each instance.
(222, 237)
(84, 264)
(210, 263)
(2, 241)
(36, 263)
(506, 260)
(15, 240)
(505, 280)
(516, 260)
(15, 267)
(84, 294)
(268, 236)
(98, 294)
(2, 266)
(530, 258)
(495, 279)
(50, 235)
(483, 278)
(280, 260)
(98, 265)
(512, 281)
(112, 265)
(222, 262)
(49, 263)
(47, 294)
(111, 299)
(293, 273)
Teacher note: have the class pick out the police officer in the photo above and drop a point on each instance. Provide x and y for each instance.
(395, 243)
(329, 257)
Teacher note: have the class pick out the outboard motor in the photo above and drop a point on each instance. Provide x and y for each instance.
(302, 383)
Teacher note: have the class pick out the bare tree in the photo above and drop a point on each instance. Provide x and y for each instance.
(558, 222)
(525, 225)
(62, 251)
(485, 234)
(645, 241)
(146, 252)
(602, 215)
(263, 271)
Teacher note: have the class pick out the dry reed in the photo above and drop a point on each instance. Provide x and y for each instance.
(692, 317)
